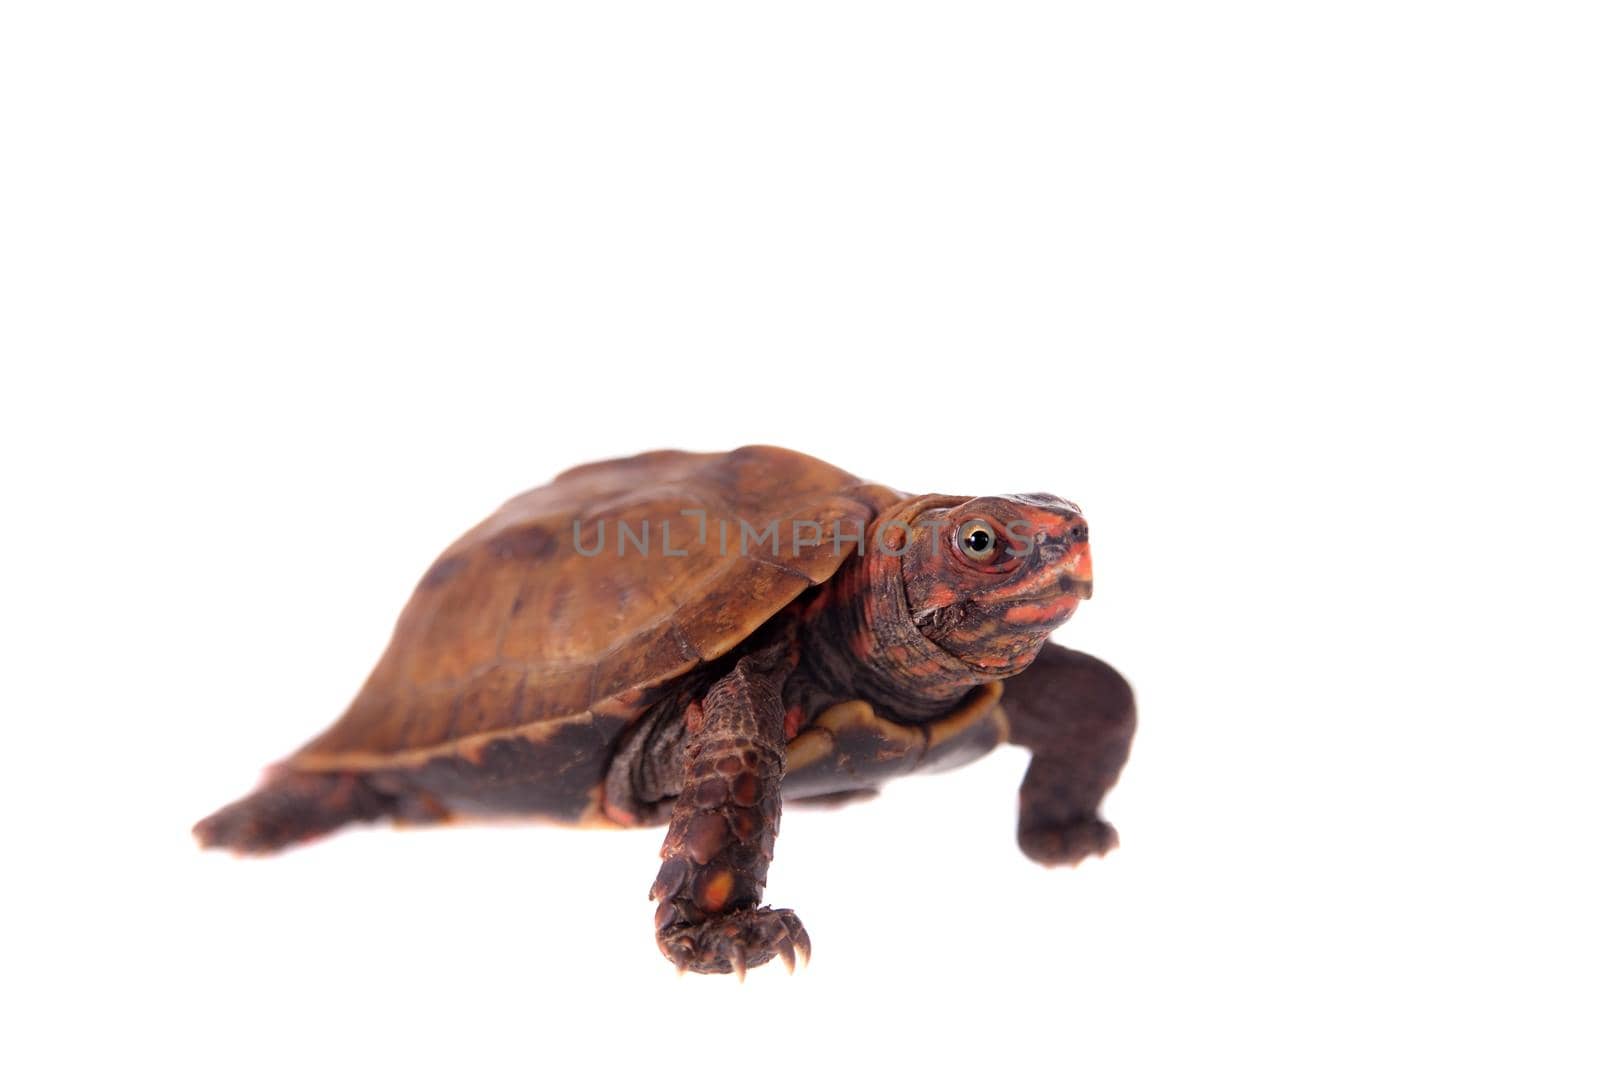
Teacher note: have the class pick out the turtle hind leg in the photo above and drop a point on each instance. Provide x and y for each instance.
(291, 807)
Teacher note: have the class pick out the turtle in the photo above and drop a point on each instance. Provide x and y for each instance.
(694, 639)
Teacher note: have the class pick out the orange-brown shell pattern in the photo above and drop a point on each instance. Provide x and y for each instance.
(515, 628)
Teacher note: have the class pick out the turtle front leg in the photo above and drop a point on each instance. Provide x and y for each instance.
(1076, 715)
(723, 827)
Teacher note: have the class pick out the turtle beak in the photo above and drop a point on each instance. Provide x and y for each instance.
(1059, 570)
(1051, 586)
(1077, 569)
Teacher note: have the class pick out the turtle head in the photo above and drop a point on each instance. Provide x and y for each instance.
(988, 579)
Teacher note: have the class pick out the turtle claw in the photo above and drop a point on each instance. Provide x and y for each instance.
(802, 944)
(736, 941)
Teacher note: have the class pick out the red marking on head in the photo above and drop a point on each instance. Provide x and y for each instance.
(1036, 612)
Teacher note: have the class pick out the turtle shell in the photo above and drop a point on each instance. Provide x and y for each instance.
(572, 597)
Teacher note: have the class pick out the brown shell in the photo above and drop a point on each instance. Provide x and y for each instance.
(514, 628)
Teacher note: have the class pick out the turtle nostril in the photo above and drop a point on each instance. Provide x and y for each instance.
(1078, 534)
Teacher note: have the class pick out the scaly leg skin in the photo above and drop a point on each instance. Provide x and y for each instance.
(723, 827)
(1076, 715)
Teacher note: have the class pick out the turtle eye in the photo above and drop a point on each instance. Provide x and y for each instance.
(977, 540)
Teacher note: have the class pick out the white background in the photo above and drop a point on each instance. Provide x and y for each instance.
(1297, 300)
